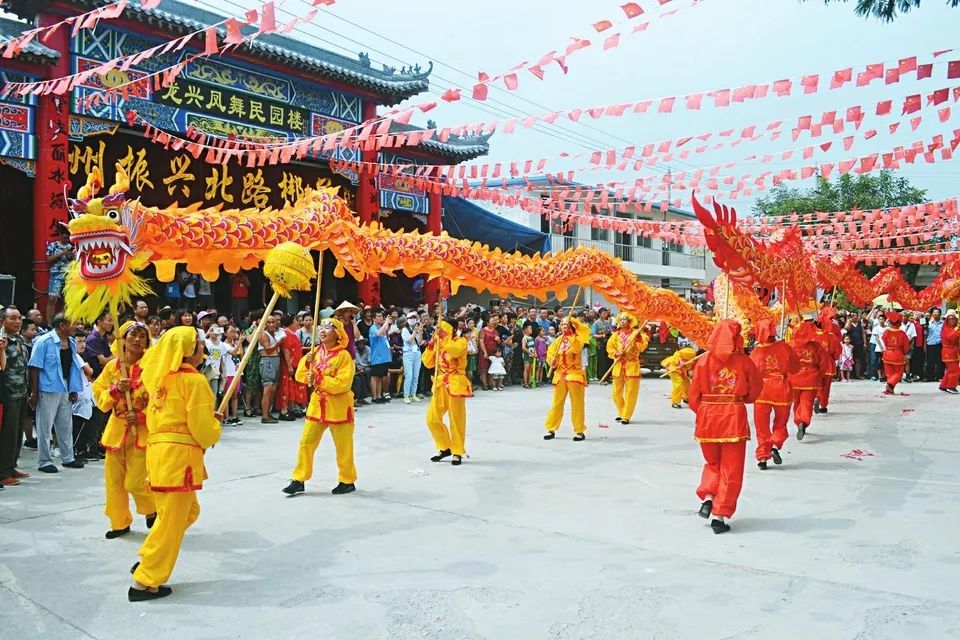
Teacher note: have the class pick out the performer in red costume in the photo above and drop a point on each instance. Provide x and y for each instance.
(724, 381)
(776, 361)
(950, 353)
(829, 337)
(808, 378)
(896, 344)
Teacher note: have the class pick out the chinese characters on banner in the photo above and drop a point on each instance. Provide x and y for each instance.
(52, 174)
(161, 177)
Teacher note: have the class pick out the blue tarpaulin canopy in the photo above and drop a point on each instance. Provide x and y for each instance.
(468, 221)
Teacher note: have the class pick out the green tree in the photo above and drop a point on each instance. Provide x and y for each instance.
(886, 10)
(848, 192)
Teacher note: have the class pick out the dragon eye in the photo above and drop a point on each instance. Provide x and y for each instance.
(113, 214)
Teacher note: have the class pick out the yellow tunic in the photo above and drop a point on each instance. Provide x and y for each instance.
(679, 371)
(452, 366)
(331, 402)
(180, 426)
(108, 398)
(625, 347)
(565, 355)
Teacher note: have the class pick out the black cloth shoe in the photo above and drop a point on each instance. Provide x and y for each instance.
(141, 595)
(550, 435)
(706, 509)
(580, 437)
(719, 526)
(624, 422)
(30, 444)
(116, 533)
(801, 431)
(457, 461)
(775, 454)
(440, 456)
(823, 410)
(762, 465)
(73, 464)
(342, 488)
(676, 406)
(150, 520)
(294, 488)
(286, 417)
(49, 469)
(618, 419)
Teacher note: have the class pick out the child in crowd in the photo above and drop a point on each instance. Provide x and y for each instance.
(234, 351)
(472, 335)
(541, 347)
(83, 407)
(529, 349)
(846, 359)
(497, 370)
(216, 354)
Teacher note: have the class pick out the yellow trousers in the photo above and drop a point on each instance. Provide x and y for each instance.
(454, 436)
(555, 415)
(679, 386)
(342, 443)
(176, 511)
(125, 474)
(625, 391)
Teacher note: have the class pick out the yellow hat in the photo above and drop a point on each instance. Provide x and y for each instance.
(631, 320)
(342, 339)
(116, 347)
(167, 356)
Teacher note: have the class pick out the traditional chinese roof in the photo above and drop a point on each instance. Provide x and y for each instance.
(34, 51)
(180, 18)
(456, 148)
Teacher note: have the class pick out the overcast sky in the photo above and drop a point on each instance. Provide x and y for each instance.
(720, 43)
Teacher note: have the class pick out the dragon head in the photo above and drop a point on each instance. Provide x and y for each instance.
(104, 230)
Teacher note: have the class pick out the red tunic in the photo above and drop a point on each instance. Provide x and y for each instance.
(896, 344)
(832, 347)
(814, 363)
(718, 393)
(776, 361)
(950, 351)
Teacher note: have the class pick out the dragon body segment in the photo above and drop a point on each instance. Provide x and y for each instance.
(117, 237)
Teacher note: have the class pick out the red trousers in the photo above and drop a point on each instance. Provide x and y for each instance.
(803, 406)
(761, 421)
(894, 374)
(951, 375)
(722, 475)
(823, 396)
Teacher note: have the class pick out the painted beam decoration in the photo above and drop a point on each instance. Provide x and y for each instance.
(214, 97)
(398, 192)
(17, 133)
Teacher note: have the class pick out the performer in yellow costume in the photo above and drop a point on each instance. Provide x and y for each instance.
(678, 368)
(624, 348)
(565, 356)
(125, 436)
(446, 354)
(181, 425)
(329, 369)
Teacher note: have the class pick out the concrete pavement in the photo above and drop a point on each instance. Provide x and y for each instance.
(528, 539)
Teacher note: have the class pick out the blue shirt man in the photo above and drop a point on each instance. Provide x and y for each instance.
(55, 383)
(934, 329)
(379, 343)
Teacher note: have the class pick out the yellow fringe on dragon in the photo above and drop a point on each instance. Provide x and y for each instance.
(116, 237)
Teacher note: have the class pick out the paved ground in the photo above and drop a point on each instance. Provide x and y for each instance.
(528, 540)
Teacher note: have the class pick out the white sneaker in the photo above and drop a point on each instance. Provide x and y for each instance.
(55, 453)
(416, 398)
(406, 401)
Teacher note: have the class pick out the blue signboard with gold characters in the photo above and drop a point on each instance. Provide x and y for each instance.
(215, 97)
(398, 192)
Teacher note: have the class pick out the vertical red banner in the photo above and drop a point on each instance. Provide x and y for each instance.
(53, 152)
